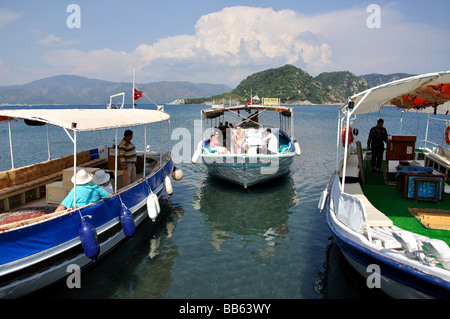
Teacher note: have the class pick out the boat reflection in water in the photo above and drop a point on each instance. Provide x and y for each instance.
(263, 211)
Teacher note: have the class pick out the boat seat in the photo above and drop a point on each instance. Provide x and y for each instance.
(374, 216)
(352, 167)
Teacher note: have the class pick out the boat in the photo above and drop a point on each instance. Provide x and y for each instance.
(41, 246)
(251, 165)
(393, 228)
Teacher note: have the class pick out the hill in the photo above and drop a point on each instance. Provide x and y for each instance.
(375, 79)
(71, 89)
(342, 84)
(294, 86)
(288, 83)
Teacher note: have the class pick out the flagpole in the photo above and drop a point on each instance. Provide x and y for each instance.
(132, 91)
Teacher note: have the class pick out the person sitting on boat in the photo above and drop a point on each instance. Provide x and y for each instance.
(272, 142)
(86, 193)
(240, 140)
(377, 137)
(215, 145)
(101, 178)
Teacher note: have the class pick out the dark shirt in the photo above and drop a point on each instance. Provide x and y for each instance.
(377, 136)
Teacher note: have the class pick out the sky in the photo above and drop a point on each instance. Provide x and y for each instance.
(218, 41)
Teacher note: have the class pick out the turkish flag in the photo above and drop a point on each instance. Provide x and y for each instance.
(137, 94)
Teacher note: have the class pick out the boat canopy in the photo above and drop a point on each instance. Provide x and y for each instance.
(82, 120)
(218, 111)
(419, 92)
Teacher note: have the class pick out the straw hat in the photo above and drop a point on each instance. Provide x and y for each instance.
(83, 177)
(100, 177)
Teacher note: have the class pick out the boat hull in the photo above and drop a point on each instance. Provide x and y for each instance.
(247, 170)
(49, 247)
(399, 278)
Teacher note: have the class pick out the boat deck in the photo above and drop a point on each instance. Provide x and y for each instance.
(389, 200)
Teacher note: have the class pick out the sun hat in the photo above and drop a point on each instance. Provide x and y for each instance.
(83, 177)
(100, 177)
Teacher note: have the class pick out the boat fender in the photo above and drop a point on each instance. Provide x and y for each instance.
(89, 239)
(322, 200)
(196, 155)
(153, 206)
(168, 185)
(350, 136)
(197, 152)
(298, 151)
(127, 221)
(447, 135)
(177, 174)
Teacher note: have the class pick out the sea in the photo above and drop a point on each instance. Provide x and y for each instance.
(214, 240)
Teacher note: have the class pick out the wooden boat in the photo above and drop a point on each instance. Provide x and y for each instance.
(40, 246)
(252, 165)
(371, 219)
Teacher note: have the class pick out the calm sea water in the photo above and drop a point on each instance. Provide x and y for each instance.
(217, 241)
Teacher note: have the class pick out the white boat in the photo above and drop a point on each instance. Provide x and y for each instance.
(253, 165)
(392, 235)
(40, 246)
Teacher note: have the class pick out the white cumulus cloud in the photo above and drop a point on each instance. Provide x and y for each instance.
(232, 43)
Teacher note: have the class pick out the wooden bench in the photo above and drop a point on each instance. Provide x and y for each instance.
(28, 179)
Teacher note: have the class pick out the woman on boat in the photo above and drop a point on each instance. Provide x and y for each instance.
(86, 193)
(214, 144)
(101, 178)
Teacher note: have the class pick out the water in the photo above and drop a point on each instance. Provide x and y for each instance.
(217, 241)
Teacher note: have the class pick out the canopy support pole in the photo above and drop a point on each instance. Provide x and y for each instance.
(48, 143)
(145, 150)
(10, 145)
(115, 162)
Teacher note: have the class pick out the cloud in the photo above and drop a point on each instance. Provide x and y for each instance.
(235, 42)
(44, 38)
(7, 17)
(243, 36)
(228, 41)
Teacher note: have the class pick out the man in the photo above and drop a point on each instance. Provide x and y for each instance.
(272, 142)
(239, 141)
(128, 158)
(377, 137)
(86, 193)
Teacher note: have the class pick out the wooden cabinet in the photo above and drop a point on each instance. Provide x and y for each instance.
(401, 147)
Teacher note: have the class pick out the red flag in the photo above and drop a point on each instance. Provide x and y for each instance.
(137, 94)
(250, 102)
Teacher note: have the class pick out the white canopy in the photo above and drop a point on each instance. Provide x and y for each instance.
(373, 99)
(80, 120)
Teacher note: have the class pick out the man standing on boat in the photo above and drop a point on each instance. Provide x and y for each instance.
(128, 158)
(377, 137)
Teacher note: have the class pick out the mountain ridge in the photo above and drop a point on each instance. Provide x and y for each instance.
(289, 83)
(74, 89)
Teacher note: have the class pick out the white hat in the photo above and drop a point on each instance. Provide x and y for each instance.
(101, 177)
(83, 177)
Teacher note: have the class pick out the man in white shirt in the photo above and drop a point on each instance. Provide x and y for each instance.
(272, 142)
